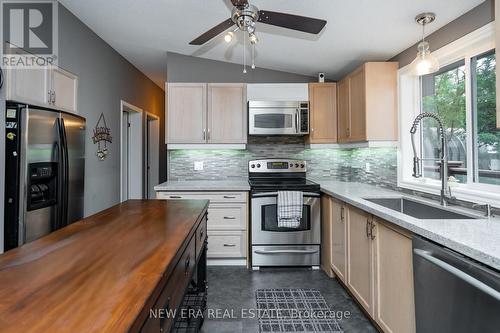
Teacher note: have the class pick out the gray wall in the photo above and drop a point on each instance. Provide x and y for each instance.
(470, 21)
(183, 68)
(105, 78)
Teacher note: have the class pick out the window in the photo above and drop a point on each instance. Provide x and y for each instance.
(444, 93)
(486, 135)
(463, 94)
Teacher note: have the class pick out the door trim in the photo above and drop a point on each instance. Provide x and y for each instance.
(137, 121)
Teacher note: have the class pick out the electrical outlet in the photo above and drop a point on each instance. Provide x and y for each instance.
(198, 166)
(368, 167)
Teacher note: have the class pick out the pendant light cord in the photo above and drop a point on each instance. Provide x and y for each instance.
(244, 52)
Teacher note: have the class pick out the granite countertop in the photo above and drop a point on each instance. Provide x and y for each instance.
(478, 239)
(204, 185)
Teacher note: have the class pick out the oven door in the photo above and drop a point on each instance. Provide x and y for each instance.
(265, 230)
(273, 121)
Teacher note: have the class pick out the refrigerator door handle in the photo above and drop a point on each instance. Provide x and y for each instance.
(65, 184)
(60, 176)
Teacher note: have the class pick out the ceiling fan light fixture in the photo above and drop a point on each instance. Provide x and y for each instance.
(229, 37)
(425, 62)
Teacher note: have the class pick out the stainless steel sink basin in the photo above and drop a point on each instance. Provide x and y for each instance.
(419, 210)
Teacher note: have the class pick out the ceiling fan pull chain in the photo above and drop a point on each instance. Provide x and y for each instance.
(253, 55)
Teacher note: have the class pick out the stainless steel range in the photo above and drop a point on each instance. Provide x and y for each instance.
(277, 246)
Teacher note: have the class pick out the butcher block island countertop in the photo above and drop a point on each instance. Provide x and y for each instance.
(101, 274)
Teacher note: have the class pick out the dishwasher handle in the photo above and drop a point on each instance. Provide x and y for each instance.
(458, 273)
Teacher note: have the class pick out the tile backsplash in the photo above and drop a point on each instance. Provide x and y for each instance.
(368, 165)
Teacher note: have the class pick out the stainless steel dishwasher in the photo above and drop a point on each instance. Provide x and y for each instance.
(453, 293)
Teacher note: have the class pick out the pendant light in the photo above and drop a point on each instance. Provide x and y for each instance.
(425, 62)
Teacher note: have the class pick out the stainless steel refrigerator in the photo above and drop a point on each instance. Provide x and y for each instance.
(44, 172)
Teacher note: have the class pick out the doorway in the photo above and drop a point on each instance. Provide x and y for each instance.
(132, 152)
(152, 159)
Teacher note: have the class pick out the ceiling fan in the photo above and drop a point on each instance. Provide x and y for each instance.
(245, 16)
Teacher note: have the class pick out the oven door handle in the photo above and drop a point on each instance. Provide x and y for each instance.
(286, 251)
(273, 194)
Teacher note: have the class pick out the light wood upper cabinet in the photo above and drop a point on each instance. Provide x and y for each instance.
(227, 116)
(51, 87)
(395, 308)
(358, 111)
(360, 258)
(200, 113)
(368, 103)
(187, 115)
(65, 87)
(323, 113)
(339, 239)
(343, 117)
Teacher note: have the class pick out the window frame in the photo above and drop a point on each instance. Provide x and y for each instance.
(474, 44)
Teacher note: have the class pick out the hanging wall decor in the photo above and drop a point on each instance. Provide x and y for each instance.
(102, 135)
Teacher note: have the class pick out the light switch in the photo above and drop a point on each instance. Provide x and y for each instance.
(198, 166)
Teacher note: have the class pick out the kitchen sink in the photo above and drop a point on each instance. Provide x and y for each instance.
(419, 210)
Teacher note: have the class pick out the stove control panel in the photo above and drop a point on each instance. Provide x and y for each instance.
(277, 165)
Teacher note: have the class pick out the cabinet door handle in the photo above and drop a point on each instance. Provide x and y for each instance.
(229, 218)
(229, 197)
(54, 97)
(208, 134)
(367, 228)
(49, 96)
(175, 197)
(229, 245)
(204, 135)
(372, 226)
(342, 214)
(166, 307)
(202, 232)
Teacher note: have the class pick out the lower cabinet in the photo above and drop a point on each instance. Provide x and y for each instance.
(339, 239)
(226, 222)
(171, 297)
(326, 235)
(373, 259)
(395, 308)
(360, 258)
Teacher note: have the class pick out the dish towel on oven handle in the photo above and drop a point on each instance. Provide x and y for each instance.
(289, 209)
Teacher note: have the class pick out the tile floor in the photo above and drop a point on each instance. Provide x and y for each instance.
(231, 292)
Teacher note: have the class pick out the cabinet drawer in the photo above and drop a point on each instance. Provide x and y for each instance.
(227, 217)
(201, 236)
(173, 292)
(227, 244)
(214, 197)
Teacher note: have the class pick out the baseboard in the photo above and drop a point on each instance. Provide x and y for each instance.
(227, 262)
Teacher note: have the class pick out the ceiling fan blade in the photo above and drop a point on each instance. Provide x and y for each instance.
(289, 21)
(238, 3)
(208, 35)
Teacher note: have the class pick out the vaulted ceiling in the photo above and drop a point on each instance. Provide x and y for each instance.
(357, 31)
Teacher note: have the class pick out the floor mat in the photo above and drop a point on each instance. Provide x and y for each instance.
(294, 310)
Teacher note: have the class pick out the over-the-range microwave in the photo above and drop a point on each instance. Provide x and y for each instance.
(278, 118)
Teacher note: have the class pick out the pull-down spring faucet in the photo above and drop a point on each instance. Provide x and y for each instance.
(417, 173)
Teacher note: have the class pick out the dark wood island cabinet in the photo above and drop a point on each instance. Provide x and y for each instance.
(124, 269)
